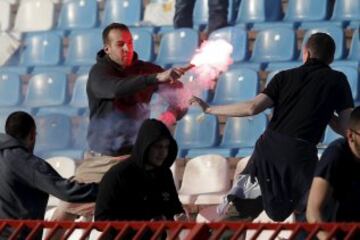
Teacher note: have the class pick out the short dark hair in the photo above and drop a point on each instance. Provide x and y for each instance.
(321, 46)
(19, 125)
(108, 28)
(354, 121)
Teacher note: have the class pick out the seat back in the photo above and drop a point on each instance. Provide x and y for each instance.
(196, 130)
(143, 44)
(5, 16)
(34, 15)
(244, 131)
(307, 10)
(41, 49)
(79, 131)
(346, 10)
(10, 89)
(330, 136)
(63, 165)
(128, 12)
(252, 11)
(205, 174)
(79, 96)
(83, 47)
(237, 37)
(78, 14)
(178, 46)
(236, 85)
(354, 53)
(277, 44)
(46, 90)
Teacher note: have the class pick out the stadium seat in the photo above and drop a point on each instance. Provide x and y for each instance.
(35, 15)
(274, 45)
(196, 130)
(346, 11)
(78, 102)
(236, 85)
(352, 76)
(5, 16)
(206, 179)
(237, 37)
(83, 47)
(143, 43)
(10, 89)
(2, 123)
(259, 11)
(53, 134)
(177, 46)
(41, 49)
(78, 14)
(308, 11)
(128, 12)
(46, 90)
(354, 53)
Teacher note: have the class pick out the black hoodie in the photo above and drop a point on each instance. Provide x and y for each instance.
(129, 192)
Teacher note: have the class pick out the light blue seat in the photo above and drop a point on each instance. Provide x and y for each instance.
(236, 85)
(274, 45)
(143, 43)
(10, 89)
(240, 136)
(346, 11)
(41, 49)
(53, 134)
(128, 12)
(196, 130)
(78, 14)
(352, 76)
(46, 90)
(354, 52)
(2, 123)
(259, 12)
(177, 46)
(83, 47)
(237, 37)
(78, 102)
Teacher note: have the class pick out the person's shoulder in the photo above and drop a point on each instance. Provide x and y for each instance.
(336, 150)
(121, 169)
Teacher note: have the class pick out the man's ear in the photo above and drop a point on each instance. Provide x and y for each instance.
(106, 48)
(350, 135)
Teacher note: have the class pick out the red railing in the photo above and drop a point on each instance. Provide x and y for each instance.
(174, 230)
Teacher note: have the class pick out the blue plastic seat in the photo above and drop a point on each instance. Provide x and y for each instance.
(352, 76)
(237, 37)
(177, 46)
(10, 89)
(354, 52)
(2, 123)
(53, 134)
(307, 10)
(346, 11)
(143, 43)
(196, 130)
(78, 14)
(46, 90)
(41, 49)
(83, 47)
(274, 45)
(240, 136)
(329, 137)
(259, 11)
(128, 12)
(236, 85)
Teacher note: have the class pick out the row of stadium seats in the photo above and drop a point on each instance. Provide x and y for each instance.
(48, 93)
(40, 15)
(197, 134)
(274, 48)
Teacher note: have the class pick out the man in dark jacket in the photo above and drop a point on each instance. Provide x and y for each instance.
(26, 180)
(142, 186)
(305, 100)
(119, 89)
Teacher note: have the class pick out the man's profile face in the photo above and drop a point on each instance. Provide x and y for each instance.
(158, 152)
(119, 47)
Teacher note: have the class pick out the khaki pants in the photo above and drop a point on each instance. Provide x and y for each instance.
(91, 170)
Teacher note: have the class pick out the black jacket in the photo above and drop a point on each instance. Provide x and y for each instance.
(129, 192)
(26, 182)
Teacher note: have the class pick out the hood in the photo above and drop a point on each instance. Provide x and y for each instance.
(151, 131)
(102, 57)
(7, 141)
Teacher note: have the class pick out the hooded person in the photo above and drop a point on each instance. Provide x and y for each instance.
(142, 187)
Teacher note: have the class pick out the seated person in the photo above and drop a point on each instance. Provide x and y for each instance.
(142, 186)
(337, 177)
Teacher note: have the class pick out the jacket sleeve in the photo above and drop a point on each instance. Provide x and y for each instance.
(46, 179)
(175, 205)
(107, 85)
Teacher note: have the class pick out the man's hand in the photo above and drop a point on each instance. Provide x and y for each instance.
(204, 106)
(171, 75)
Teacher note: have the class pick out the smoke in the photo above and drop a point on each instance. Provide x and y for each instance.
(210, 60)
